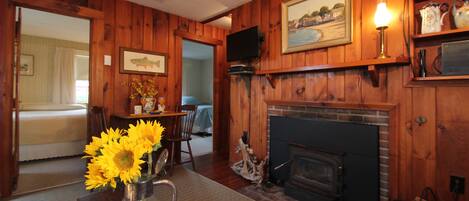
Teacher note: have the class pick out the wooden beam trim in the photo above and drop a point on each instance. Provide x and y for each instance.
(198, 38)
(6, 93)
(61, 7)
(340, 105)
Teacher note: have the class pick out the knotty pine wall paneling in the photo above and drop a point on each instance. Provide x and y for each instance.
(126, 24)
(132, 25)
(6, 92)
(452, 140)
(427, 154)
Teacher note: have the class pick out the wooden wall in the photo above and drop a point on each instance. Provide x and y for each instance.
(125, 25)
(428, 154)
(131, 25)
(6, 92)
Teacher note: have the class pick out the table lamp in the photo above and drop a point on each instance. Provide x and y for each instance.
(382, 19)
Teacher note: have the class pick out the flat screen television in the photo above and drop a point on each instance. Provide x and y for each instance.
(244, 45)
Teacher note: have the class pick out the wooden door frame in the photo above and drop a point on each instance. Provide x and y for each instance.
(219, 126)
(7, 11)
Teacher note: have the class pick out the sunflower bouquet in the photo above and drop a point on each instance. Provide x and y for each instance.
(117, 155)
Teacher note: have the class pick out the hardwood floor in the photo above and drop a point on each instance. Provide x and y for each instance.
(218, 169)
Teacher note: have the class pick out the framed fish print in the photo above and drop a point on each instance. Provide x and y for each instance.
(314, 24)
(136, 61)
(27, 64)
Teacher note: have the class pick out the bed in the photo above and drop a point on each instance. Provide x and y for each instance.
(203, 122)
(51, 130)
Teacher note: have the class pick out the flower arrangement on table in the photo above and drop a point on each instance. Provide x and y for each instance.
(146, 91)
(116, 157)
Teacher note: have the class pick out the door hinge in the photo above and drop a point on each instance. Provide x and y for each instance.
(17, 29)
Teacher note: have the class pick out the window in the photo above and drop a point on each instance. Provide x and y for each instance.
(82, 91)
(82, 77)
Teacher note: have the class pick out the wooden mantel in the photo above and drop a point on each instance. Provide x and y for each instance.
(373, 68)
(339, 105)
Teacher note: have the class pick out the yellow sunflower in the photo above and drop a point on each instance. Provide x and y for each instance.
(97, 143)
(148, 134)
(122, 159)
(92, 149)
(95, 177)
(114, 134)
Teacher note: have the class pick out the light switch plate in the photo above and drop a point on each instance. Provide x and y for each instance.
(107, 60)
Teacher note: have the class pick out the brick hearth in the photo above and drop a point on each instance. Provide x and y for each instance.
(363, 116)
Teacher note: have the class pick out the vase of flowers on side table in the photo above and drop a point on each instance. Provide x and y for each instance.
(146, 91)
(117, 156)
(148, 104)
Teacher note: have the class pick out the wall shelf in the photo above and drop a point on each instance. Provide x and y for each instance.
(373, 66)
(441, 34)
(432, 44)
(338, 66)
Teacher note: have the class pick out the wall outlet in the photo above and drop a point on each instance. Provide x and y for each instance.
(457, 184)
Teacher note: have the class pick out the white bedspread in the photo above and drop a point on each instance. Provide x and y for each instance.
(44, 127)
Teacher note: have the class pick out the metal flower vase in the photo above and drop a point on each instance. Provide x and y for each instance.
(144, 189)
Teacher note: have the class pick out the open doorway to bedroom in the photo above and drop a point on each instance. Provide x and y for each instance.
(53, 91)
(197, 89)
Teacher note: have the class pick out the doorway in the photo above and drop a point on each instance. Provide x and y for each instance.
(53, 95)
(197, 89)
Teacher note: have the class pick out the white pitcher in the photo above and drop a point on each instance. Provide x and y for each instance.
(432, 19)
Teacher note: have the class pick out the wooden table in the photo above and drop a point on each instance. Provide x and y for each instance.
(167, 119)
(150, 116)
(122, 121)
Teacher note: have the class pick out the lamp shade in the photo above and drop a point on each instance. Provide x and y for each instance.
(382, 15)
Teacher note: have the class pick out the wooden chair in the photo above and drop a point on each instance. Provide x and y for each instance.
(185, 131)
(98, 120)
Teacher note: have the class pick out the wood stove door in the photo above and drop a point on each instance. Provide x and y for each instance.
(316, 172)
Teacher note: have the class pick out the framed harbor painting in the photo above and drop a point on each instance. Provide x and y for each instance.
(142, 62)
(313, 24)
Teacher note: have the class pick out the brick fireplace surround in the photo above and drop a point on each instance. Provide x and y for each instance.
(381, 115)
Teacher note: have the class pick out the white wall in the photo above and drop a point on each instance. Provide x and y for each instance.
(38, 87)
(207, 82)
(197, 79)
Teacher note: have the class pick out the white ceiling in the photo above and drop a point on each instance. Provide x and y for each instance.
(49, 25)
(198, 10)
(223, 22)
(198, 51)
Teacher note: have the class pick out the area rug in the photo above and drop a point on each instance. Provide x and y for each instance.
(190, 185)
(274, 193)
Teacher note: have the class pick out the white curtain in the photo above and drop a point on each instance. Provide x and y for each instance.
(63, 87)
